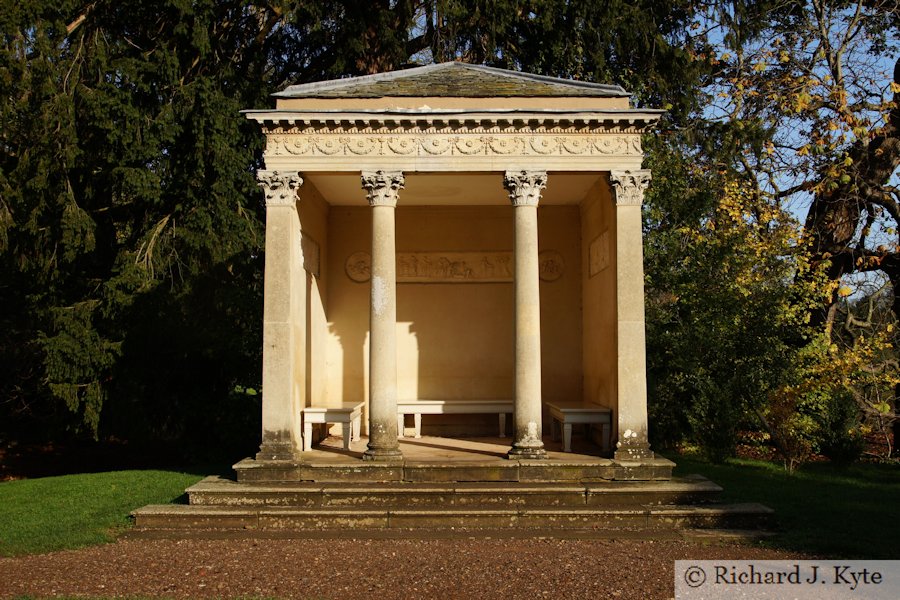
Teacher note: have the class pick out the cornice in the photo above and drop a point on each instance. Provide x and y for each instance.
(454, 120)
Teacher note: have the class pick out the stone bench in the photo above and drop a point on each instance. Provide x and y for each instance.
(417, 408)
(348, 414)
(564, 414)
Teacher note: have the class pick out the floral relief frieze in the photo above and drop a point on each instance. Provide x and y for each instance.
(311, 144)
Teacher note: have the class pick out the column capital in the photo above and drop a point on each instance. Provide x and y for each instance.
(525, 187)
(382, 187)
(629, 186)
(280, 187)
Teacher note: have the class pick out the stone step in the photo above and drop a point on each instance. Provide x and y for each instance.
(175, 518)
(487, 470)
(216, 491)
(701, 536)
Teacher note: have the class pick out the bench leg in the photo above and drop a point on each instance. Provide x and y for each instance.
(503, 425)
(401, 421)
(307, 435)
(567, 437)
(356, 427)
(347, 433)
(417, 418)
(554, 429)
(604, 436)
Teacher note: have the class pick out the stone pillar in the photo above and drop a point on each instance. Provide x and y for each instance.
(525, 192)
(280, 424)
(382, 190)
(628, 193)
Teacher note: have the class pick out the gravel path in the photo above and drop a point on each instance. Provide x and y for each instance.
(371, 569)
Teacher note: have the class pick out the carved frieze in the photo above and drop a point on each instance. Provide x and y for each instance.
(454, 267)
(319, 143)
(448, 267)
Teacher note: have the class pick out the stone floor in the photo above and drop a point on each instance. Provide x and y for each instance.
(433, 448)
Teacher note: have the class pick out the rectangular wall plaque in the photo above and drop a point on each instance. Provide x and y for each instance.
(309, 251)
(454, 267)
(599, 253)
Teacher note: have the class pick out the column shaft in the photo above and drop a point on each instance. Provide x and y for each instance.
(628, 191)
(524, 191)
(383, 189)
(280, 419)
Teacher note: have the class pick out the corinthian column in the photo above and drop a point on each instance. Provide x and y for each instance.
(524, 189)
(628, 192)
(280, 417)
(382, 190)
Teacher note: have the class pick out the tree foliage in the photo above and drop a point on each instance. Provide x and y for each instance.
(799, 107)
(130, 222)
(131, 228)
(129, 212)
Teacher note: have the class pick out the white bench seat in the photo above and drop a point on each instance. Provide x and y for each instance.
(564, 414)
(348, 414)
(420, 407)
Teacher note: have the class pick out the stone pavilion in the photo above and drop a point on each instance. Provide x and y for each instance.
(453, 232)
(454, 248)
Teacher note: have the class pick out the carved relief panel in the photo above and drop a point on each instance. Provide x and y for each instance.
(454, 267)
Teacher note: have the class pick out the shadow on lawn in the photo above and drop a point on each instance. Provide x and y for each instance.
(824, 509)
(30, 461)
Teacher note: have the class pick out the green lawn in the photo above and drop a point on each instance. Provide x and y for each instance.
(71, 511)
(823, 509)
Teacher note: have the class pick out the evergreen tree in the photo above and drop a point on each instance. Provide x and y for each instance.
(130, 222)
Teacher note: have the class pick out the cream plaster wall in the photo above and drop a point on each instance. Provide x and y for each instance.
(349, 231)
(313, 211)
(300, 333)
(599, 298)
(454, 340)
(463, 331)
(561, 339)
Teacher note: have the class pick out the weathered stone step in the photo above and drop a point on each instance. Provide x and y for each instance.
(703, 536)
(188, 517)
(488, 470)
(215, 491)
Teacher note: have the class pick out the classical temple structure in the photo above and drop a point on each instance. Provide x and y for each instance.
(452, 249)
(453, 232)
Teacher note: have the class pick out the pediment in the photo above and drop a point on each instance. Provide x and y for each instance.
(453, 80)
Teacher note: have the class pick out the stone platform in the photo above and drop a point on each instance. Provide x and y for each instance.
(436, 459)
(445, 485)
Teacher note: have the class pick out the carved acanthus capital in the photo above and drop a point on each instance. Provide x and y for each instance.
(525, 187)
(279, 187)
(629, 186)
(382, 187)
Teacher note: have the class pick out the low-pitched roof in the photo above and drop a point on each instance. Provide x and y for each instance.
(452, 79)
